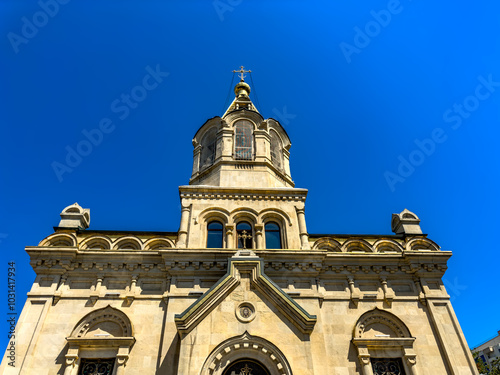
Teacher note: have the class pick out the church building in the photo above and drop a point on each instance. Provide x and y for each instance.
(242, 288)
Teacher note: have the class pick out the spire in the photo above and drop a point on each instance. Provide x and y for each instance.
(241, 92)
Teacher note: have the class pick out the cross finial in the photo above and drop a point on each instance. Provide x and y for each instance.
(244, 236)
(246, 370)
(242, 72)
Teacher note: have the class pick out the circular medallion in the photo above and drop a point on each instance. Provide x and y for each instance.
(245, 312)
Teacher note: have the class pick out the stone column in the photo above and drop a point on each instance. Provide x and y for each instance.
(133, 284)
(226, 140)
(411, 361)
(286, 162)
(421, 294)
(98, 283)
(352, 289)
(58, 292)
(121, 360)
(70, 360)
(262, 146)
(259, 240)
(304, 236)
(183, 228)
(388, 295)
(196, 157)
(63, 282)
(230, 237)
(364, 360)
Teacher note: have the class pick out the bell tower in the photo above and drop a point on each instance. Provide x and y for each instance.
(241, 148)
(241, 178)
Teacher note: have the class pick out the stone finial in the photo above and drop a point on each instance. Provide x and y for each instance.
(405, 222)
(75, 216)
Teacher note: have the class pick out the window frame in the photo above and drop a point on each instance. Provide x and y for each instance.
(205, 145)
(83, 360)
(280, 234)
(212, 221)
(251, 148)
(252, 234)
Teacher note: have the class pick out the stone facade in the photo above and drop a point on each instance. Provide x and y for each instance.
(271, 296)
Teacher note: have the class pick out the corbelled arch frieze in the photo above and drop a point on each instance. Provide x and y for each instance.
(59, 240)
(96, 242)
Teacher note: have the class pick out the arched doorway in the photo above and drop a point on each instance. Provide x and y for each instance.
(246, 366)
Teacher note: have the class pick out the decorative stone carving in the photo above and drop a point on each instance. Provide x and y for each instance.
(245, 312)
(246, 346)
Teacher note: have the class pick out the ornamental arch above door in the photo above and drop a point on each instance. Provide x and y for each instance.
(246, 355)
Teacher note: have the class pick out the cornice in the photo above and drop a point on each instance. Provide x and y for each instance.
(252, 194)
(313, 262)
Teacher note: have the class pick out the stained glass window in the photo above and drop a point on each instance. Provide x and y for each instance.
(243, 144)
(387, 366)
(246, 367)
(214, 236)
(273, 236)
(96, 366)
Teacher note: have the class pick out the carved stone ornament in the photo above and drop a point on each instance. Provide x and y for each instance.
(245, 312)
(411, 360)
(246, 346)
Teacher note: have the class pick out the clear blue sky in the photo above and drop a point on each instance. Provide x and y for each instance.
(389, 105)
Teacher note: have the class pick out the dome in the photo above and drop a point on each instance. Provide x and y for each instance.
(242, 89)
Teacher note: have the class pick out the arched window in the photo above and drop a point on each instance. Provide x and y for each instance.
(243, 140)
(273, 236)
(215, 234)
(208, 147)
(276, 150)
(244, 235)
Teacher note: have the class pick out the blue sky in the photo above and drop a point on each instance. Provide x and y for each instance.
(389, 105)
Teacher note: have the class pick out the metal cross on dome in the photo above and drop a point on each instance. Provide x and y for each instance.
(242, 72)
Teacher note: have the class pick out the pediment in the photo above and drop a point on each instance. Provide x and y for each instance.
(245, 269)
